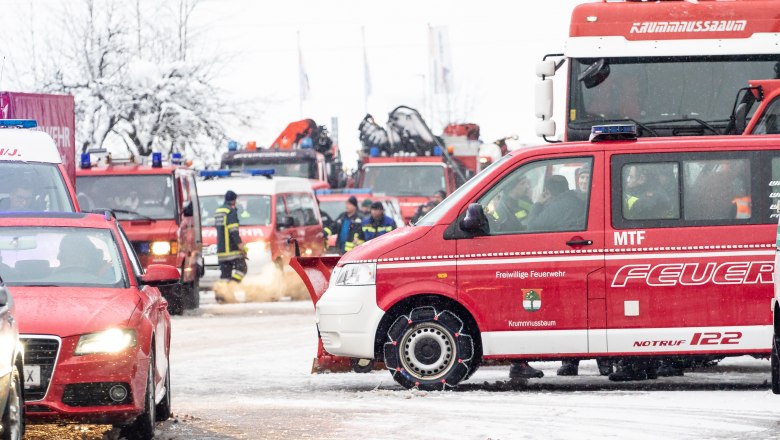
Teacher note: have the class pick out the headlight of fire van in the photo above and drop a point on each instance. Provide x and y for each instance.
(161, 248)
(108, 341)
(257, 249)
(362, 274)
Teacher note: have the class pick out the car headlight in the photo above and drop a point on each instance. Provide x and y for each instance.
(256, 249)
(108, 341)
(362, 274)
(163, 247)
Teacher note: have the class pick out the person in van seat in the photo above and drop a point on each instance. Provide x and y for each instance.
(348, 227)
(582, 177)
(377, 223)
(511, 211)
(20, 198)
(423, 209)
(231, 253)
(558, 209)
(643, 196)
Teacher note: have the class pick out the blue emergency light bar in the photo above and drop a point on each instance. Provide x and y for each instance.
(614, 132)
(232, 145)
(268, 172)
(322, 192)
(215, 173)
(156, 159)
(177, 159)
(86, 161)
(18, 123)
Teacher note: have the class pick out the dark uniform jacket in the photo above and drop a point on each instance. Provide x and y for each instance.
(354, 235)
(373, 228)
(229, 246)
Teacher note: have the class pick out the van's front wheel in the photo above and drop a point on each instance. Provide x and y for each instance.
(775, 364)
(429, 349)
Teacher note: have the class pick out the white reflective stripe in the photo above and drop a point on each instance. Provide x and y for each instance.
(589, 257)
(636, 340)
(619, 46)
(689, 255)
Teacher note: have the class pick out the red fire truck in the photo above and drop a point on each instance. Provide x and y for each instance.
(673, 68)
(665, 252)
(157, 204)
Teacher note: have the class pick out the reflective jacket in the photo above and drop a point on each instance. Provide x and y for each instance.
(373, 228)
(354, 234)
(229, 246)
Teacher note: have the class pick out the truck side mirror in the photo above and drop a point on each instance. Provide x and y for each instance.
(284, 221)
(545, 68)
(475, 220)
(187, 210)
(3, 296)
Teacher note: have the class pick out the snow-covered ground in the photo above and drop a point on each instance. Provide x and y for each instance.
(242, 371)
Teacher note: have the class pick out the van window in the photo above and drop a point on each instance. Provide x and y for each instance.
(309, 207)
(280, 209)
(717, 189)
(294, 208)
(541, 196)
(650, 191)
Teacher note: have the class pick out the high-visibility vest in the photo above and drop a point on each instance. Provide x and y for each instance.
(743, 206)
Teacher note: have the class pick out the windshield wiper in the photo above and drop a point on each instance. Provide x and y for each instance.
(127, 211)
(698, 121)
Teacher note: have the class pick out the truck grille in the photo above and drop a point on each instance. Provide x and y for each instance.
(41, 351)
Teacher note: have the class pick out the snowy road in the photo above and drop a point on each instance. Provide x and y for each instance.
(241, 371)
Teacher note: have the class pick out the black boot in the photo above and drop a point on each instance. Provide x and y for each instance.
(605, 366)
(569, 367)
(521, 370)
(669, 368)
(628, 370)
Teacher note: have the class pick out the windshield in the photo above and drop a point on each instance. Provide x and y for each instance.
(252, 210)
(442, 208)
(404, 180)
(60, 257)
(665, 96)
(132, 197)
(33, 187)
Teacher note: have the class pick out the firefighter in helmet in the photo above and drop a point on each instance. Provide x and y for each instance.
(231, 253)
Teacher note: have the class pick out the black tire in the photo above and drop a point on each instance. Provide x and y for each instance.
(174, 295)
(191, 295)
(163, 411)
(142, 427)
(13, 416)
(362, 365)
(775, 361)
(429, 350)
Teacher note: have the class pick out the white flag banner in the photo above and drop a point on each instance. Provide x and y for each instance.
(303, 77)
(441, 59)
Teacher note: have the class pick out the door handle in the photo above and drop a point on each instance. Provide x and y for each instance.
(579, 242)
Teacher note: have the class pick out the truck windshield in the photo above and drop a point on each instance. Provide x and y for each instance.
(32, 187)
(252, 210)
(132, 197)
(404, 180)
(304, 168)
(665, 96)
(60, 257)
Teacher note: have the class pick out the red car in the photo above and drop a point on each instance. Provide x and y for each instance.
(95, 328)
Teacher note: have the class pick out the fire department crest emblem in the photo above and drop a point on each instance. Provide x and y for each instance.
(532, 299)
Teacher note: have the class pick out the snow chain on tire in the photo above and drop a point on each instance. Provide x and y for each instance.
(440, 327)
(775, 362)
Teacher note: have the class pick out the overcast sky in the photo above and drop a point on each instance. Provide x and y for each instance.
(494, 47)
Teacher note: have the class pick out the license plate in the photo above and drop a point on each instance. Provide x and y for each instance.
(32, 376)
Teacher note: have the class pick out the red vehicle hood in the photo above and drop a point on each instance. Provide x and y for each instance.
(379, 246)
(145, 230)
(248, 234)
(69, 311)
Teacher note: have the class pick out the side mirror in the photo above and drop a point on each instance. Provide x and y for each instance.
(543, 99)
(594, 74)
(475, 220)
(187, 210)
(285, 221)
(545, 68)
(157, 274)
(545, 128)
(3, 296)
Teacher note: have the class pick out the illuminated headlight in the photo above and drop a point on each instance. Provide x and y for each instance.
(363, 274)
(109, 341)
(161, 248)
(257, 249)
